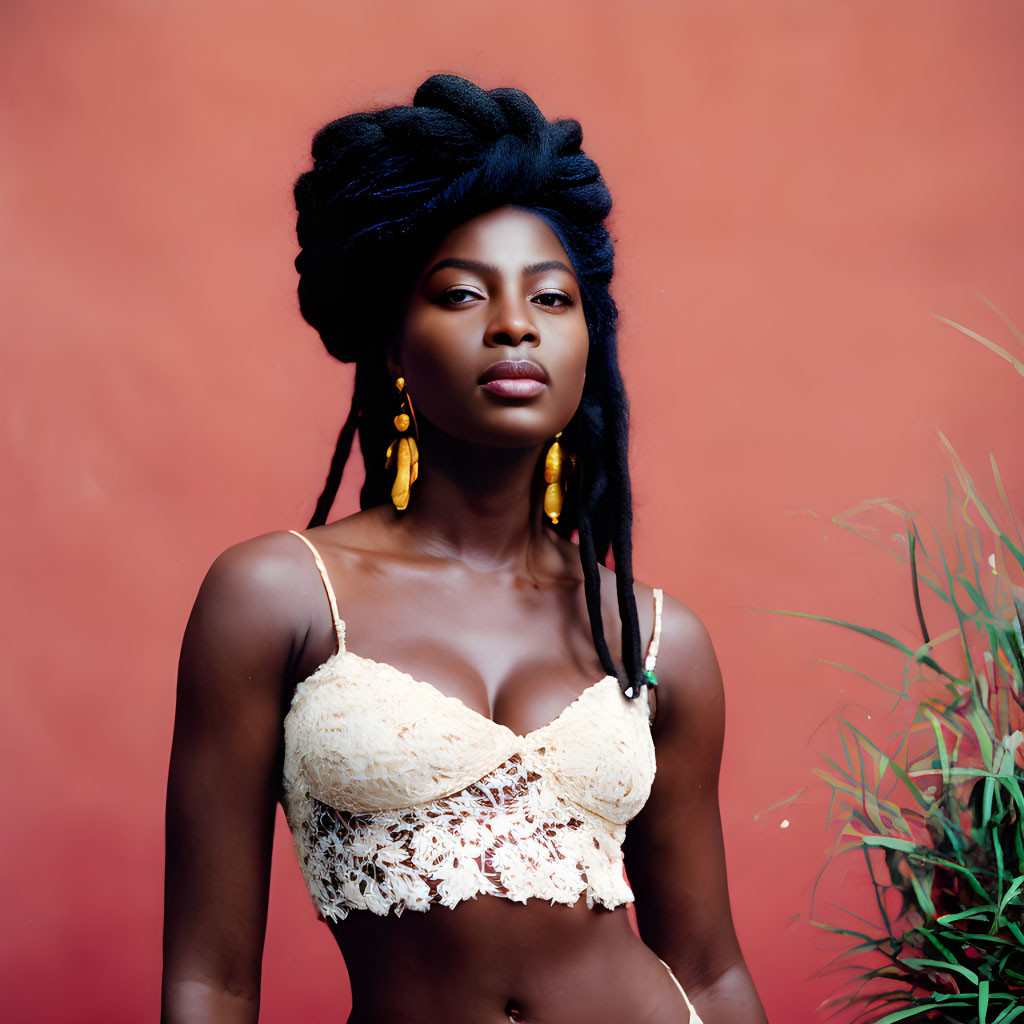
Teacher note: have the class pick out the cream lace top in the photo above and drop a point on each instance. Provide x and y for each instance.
(399, 796)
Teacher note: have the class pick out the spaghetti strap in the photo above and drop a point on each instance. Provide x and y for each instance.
(694, 1019)
(652, 647)
(339, 625)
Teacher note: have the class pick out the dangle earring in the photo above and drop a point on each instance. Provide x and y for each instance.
(557, 465)
(403, 453)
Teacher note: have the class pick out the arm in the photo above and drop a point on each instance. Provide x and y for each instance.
(674, 852)
(223, 785)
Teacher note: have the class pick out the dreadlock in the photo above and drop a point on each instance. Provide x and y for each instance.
(385, 188)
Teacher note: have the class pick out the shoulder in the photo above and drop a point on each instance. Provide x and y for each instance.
(261, 575)
(690, 693)
(686, 653)
(258, 599)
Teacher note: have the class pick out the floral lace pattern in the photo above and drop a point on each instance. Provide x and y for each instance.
(400, 797)
(507, 835)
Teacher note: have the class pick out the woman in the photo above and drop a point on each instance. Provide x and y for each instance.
(462, 837)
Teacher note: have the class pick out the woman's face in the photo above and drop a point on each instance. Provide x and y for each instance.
(494, 343)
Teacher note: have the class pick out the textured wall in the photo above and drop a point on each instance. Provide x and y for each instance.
(799, 187)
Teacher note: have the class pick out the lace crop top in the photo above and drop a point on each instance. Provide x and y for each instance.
(399, 796)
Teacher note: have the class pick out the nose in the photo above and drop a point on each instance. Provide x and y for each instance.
(511, 323)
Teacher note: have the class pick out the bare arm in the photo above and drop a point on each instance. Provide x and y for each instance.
(226, 754)
(675, 857)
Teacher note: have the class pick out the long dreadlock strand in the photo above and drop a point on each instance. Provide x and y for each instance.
(337, 467)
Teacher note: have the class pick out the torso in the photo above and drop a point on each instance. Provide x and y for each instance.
(521, 654)
(492, 960)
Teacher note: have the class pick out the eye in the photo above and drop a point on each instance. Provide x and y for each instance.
(458, 297)
(552, 299)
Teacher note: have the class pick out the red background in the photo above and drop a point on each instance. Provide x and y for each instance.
(799, 186)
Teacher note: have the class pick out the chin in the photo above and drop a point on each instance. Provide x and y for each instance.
(519, 431)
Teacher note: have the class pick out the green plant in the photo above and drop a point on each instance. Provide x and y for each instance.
(936, 810)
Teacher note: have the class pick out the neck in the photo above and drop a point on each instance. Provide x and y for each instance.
(475, 504)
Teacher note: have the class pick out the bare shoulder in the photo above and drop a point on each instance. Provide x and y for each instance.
(689, 679)
(687, 654)
(691, 696)
(256, 604)
(258, 579)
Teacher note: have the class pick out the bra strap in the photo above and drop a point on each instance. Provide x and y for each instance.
(652, 647)
(339, 625)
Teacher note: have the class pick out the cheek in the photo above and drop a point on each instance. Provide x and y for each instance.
(577, 353)
(435, 364)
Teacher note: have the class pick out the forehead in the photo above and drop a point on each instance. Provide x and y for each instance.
(508, 235)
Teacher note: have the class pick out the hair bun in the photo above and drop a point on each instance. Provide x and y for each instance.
(465, 101)
(387, 185)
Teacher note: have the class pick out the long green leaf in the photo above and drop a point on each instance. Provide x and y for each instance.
(940, 744)
(941, 964)
(960, 869)
(1010, 325)
(964, 915)
(987, 939)
(917, 1010)
(840, 521)
(875, 634)
(1002, 495)
(982, 726)
(1015, 887)
(972, 495)
(781, 803)
(998, 847)
(847, 668)
(924, 900)
(999, 350)
(961, 617)
(914, 582)
(890, 843)
(976, 595)
(1011, 1013)
(930, 935)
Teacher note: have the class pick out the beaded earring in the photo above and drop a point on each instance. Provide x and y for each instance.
(554, 469)
(403, 453)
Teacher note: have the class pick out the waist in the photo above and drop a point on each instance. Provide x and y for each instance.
(493, 960)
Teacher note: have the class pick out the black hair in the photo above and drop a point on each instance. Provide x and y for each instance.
(385, 188)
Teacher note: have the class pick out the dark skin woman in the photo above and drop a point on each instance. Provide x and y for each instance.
(470, 588)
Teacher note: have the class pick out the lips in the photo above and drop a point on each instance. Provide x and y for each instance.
(514, 378)
(514, 369)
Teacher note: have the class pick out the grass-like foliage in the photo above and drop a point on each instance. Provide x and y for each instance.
(936, 810)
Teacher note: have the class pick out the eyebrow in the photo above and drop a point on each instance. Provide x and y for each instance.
(479, 267)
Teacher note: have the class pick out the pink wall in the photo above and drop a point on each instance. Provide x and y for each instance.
(799, 187)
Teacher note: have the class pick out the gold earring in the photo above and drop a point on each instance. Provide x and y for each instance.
(403, 452)
(554, 465)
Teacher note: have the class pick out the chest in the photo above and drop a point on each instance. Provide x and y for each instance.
(368, 737)
(513, 655)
